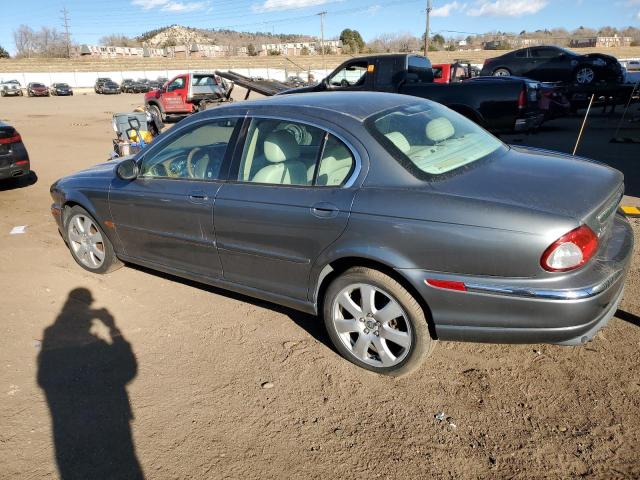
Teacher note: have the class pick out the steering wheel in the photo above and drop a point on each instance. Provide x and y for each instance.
(192, 153)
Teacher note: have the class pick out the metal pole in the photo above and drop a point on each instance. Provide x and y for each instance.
(324, 62)
(584, 122)
(427, 29)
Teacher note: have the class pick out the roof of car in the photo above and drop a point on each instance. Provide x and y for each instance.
(359, 105)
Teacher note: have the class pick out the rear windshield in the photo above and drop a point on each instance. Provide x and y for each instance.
(430, 139)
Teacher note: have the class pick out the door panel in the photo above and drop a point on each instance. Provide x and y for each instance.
(167, 221)
(269, 236)
(173, 100)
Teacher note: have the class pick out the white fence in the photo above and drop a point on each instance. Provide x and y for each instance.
(87, 79)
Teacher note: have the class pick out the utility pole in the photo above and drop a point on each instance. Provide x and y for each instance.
(322, 14)
(65, 19)
(427, 30)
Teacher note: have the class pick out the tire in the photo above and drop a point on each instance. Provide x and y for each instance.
(20, 94)
(501, 72)
(2, 93)
(28, 93)
(584, 75)
(357, 338)
(155, 110)
(79, 228)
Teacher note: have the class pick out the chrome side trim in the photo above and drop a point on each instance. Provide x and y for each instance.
(547, 294)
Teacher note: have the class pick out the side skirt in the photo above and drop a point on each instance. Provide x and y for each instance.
(294, 303)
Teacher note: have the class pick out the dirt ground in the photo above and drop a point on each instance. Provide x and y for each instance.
(175, 372)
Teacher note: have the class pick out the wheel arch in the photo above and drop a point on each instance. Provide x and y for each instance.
(155, 103)
(340, 265)
(83, 202)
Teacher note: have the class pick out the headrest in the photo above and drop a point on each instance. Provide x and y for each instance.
(439, 129)
(281, 146)
(399, 140)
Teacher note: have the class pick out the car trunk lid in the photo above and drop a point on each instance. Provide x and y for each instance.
(549, 182)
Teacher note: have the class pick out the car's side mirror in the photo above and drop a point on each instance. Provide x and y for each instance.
(128, 169)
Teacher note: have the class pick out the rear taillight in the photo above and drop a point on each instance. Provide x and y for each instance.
(15, 138)
(522, 99)
(570, 251)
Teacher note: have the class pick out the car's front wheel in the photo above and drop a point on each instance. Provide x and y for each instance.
(374, 322)
(585, 75)
(88, 244)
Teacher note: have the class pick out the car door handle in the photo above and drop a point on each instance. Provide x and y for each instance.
(324, 210)
(198, 197)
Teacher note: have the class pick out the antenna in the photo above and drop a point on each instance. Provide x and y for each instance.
(65, 19)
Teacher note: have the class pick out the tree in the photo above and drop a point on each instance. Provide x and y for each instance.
(251, 50)
(117, 40)
(4, 53)
(352, 40)
(23, 37)
(304, 51)
(438, 39)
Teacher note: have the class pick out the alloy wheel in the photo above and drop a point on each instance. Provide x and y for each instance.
(585, 76)
(372, 325)
(86, 241)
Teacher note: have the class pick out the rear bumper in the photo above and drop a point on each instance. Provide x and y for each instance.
(530, 122)
(563, 310)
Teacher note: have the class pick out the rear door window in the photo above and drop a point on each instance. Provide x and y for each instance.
(282, 152)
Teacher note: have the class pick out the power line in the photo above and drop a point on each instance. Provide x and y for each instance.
(322, 14)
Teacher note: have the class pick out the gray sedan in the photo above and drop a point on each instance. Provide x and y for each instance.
(397, 220)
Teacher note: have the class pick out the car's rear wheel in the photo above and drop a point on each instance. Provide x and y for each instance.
(585, 75)
(89, 245)
(501, 72)
(374, 322)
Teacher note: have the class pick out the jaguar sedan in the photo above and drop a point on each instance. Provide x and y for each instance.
(394, 218)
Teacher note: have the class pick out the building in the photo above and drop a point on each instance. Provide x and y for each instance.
(101, 51)
(602, 42)
(295, 49)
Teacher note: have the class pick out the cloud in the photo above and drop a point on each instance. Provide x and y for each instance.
(446, 9)
(506, 8)
(273, 5)
(170, 6)
(373, 9)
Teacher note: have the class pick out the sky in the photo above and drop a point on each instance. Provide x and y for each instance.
(90, 19)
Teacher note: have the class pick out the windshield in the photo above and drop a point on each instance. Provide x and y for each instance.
(37, 85)
(62, 85)
(431, 138)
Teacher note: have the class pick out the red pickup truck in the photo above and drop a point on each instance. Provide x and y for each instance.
(185, 94)
(454, 72)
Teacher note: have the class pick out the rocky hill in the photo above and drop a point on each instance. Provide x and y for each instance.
(180, 35)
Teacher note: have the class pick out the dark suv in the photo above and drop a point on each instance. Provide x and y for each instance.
(14, 159)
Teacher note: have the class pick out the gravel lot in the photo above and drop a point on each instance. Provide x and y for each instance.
(185, 381)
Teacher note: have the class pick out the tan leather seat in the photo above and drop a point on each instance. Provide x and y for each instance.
(400, 141)
(334, 168)
(439, 129)
(283, 153)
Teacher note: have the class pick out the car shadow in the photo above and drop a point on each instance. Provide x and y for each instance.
(628, 317)
(19, 182)
(84, 366)
(310, 323)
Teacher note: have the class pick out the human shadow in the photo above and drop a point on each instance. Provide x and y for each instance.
(83, 367)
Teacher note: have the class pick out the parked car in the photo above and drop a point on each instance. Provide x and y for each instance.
(552, 96)
(14, 159)
(100, 81)
(185, 94)
(295, 81)
(497, 108)
(127, 85)
(60, 89)
(10, 88)
(395, 218)
(35, 89)
(144, 85)
(556, 64)
(110, 88)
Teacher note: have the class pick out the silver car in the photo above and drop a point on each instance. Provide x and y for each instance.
(397, 220)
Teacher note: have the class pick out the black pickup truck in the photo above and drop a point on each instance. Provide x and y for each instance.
(508, 107)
